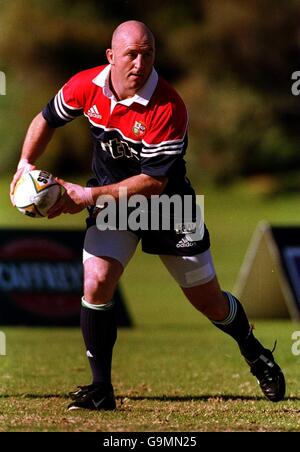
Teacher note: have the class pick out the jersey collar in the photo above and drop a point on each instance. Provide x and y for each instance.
(142, 97)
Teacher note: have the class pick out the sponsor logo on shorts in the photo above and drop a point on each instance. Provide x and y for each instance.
(185, 243)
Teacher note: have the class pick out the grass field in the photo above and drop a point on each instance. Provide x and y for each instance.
(173, 371)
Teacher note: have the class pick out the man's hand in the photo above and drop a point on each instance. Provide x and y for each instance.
(74, 199)
(23, 167)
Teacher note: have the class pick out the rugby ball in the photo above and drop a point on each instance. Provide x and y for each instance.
(35, 193)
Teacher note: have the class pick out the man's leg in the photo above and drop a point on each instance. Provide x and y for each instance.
(226, 313)
(197, 279)
(98, 321)
(99, 330)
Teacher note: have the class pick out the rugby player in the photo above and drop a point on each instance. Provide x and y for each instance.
(139, 128)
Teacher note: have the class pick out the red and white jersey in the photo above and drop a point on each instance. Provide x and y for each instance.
(143, 134)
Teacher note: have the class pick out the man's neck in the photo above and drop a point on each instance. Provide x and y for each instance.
(118, 92)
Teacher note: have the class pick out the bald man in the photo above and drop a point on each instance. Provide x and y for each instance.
(139, 126)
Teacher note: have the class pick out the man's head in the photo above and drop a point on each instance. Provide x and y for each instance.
(131, 56)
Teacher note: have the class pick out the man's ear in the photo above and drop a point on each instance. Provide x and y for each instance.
(110, 56)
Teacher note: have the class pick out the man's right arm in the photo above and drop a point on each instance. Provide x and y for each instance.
(37, 137)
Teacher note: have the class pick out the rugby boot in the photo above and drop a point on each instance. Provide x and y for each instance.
(93, 397)
(269, 375)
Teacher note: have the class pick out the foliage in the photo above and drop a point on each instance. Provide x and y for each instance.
(231, 61)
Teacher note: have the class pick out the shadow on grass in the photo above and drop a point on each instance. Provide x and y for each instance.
(205, 397)
(163, 398)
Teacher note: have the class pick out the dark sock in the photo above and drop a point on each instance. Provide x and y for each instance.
(237, 326)
(99, 331)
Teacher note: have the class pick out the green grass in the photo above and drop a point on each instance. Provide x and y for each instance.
(173, 371)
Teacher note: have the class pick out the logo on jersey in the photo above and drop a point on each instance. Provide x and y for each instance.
(94, 113)
(119, 148)
(139, 128)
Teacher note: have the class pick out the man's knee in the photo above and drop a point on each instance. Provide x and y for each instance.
(101, 276)
(97, 290)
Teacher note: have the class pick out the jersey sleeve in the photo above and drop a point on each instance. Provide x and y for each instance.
(66, 105)
(166, 141)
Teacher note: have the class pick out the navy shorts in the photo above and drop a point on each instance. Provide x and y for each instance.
(169, 242)
(172, 243)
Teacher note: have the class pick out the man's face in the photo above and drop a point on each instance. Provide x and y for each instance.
(132, 59)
